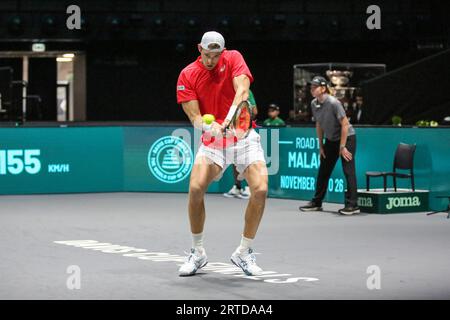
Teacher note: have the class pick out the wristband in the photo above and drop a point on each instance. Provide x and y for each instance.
(342, 147)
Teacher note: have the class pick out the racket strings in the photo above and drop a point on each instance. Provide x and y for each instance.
(237, 129)
(243, 121)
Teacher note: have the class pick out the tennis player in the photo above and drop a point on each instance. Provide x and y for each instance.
(216, 82)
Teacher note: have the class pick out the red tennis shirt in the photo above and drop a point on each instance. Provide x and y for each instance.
(212, 88)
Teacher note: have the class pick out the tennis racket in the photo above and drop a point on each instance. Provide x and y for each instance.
(241, 121)
(237, 129)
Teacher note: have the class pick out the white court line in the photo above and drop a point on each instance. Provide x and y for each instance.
(218, 267)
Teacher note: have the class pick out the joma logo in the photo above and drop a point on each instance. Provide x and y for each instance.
(403, 202)
(365, 202)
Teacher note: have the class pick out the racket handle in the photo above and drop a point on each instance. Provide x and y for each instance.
(231, 112)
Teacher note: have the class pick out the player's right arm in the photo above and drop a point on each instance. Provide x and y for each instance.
(187, 97)
(192, 110)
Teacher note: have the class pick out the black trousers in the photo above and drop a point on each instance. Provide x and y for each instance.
(331, 149)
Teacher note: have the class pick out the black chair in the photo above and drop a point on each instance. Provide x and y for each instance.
(404, 156)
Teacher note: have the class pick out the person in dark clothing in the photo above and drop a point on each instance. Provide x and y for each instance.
(340, 141)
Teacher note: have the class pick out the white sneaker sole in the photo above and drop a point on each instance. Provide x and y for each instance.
(311, 209)
(193, 272)
(350, 213)
(227, 195)
(248, 273)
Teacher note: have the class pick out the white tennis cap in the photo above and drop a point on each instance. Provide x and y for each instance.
(212, 37)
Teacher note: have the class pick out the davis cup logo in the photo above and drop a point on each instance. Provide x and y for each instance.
(170, 159)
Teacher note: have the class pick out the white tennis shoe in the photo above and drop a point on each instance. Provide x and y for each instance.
(234, 192)
(244, 193)
(194, 261)
(247, 262)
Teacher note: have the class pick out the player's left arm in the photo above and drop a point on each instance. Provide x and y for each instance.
(241, 86)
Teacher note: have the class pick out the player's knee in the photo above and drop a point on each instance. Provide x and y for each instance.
(196, 189)
(260, 191)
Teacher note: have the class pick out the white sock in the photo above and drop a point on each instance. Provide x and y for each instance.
(246, 243)
(197, 241)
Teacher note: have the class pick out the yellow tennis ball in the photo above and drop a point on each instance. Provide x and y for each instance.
(208, 118)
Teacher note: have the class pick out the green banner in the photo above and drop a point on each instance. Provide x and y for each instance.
(299, 161)
(60, 160)
(160, 159)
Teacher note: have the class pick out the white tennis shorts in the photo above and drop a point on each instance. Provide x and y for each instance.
(242, 154)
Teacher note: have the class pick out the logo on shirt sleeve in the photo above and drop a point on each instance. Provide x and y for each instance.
(180, 88)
